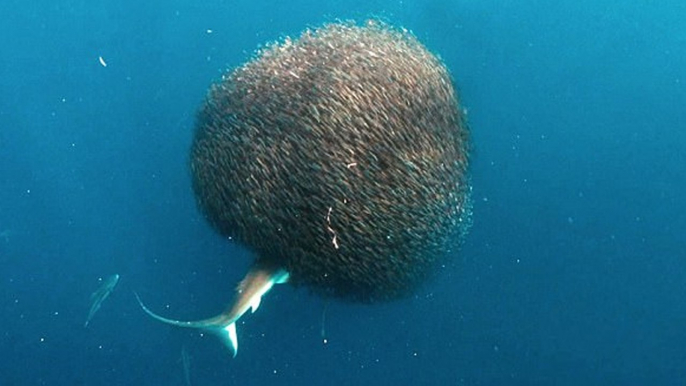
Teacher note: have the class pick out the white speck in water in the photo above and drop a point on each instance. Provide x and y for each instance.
(102, 61)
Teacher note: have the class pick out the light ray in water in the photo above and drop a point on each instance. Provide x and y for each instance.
(186, 362)
(100, 295)
(323, 329)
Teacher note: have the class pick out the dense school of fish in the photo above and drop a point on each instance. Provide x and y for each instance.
(340, 156)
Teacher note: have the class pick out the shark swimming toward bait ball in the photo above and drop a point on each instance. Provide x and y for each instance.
(248, 296)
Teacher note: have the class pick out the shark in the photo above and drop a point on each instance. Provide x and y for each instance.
(100, 295)
(259, 280)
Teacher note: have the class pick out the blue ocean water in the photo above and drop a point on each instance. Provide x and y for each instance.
(574, 272)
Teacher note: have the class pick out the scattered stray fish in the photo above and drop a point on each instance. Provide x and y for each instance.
(100, 295)
(186, 362)
(102, 61)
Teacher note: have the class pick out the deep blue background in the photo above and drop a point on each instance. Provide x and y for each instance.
(574, 272)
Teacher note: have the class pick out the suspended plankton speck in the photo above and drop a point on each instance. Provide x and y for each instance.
(102, 61)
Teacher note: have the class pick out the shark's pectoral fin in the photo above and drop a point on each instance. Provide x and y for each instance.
(254, 303)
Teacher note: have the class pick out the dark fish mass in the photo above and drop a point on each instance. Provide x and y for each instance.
(340, 160)
(341, 156)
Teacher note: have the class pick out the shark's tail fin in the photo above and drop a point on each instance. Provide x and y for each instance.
(223, 327)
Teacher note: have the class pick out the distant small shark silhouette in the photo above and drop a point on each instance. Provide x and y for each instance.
(259, 280)
(100, 295)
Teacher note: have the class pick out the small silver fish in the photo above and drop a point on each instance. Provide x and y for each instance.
(100, 295)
